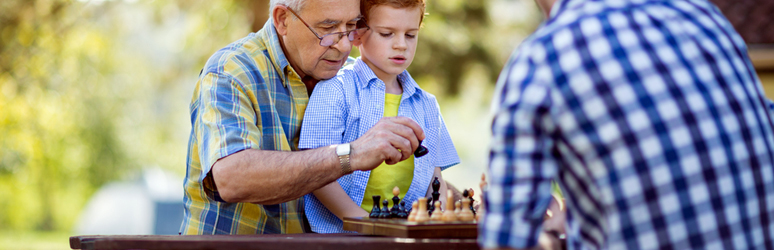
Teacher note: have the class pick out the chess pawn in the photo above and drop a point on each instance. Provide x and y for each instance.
(465, 213)
(458, 209)
(376, 210)
(422, 211)
(395, 208)
(401, 211)
(437, 213)
(449, 215)
(385, 210)
(413, 214)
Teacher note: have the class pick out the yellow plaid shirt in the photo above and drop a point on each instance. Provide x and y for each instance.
(247, 96)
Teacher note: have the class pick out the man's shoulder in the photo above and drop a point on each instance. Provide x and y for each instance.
(246, 54)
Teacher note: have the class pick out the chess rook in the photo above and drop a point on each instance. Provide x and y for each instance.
(375, 211)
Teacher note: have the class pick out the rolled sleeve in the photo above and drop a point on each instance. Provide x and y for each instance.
(228, 120)
(447, 154)
(521, 165)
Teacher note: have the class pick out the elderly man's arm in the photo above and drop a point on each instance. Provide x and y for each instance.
(271, 177)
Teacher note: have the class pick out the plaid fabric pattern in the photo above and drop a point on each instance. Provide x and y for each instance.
(652, 120)
(247, 96)
(343, 108)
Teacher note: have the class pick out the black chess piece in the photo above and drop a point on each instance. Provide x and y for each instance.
(386, 210)
(375, 211)
(436, 195)
(421, 151)
(401, 211)
(395, 208)
(471, 202)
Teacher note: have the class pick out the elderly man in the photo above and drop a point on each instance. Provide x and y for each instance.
(246, 112)
(651, 118)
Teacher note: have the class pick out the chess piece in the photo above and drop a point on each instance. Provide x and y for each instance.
(395, 208)
(422, 211)
(421, 151)
(471, 193)
(413, 214)
(385, 210)
(483, 183)
(458, 209)
(376, 210)
(402, 211)
(449, 215)
(465, 213)
(436, 195)
(437, 213)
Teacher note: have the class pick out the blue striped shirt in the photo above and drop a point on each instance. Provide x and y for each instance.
(343, 108)
(651, 118)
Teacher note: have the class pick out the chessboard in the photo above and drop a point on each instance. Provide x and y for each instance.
(397, 227)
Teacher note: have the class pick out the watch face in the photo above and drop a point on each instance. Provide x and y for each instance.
(342, 149)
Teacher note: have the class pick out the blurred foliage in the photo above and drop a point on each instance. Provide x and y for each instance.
(91, 91)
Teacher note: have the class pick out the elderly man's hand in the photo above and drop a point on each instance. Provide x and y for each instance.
(391, 140)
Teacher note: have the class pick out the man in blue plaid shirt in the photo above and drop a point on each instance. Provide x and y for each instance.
(652, 120)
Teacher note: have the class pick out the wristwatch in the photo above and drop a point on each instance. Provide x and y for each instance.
(342, 150)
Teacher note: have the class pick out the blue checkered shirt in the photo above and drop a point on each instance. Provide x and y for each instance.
(343, 108)
(650, 117)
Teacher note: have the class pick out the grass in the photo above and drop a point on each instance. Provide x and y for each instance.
(23, 240)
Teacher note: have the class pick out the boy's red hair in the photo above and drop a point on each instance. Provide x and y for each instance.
(367, 5)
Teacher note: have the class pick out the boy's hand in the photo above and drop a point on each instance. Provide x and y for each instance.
(391, 140)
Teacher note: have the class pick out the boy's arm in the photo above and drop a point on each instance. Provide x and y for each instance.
(338, 202)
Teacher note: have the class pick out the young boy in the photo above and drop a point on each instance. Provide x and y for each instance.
(377, 85)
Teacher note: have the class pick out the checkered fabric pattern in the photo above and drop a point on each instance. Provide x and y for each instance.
(650, 117)
(343, 108)
(248, 96)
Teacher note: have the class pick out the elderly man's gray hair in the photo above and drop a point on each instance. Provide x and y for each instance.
(295, 5)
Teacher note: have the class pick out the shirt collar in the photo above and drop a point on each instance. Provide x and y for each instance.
(281, 65)
(410, 87)
(561, 5)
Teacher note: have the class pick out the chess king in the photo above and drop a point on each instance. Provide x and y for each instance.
(375, 86)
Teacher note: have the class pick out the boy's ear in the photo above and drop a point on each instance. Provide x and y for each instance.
(358, 41)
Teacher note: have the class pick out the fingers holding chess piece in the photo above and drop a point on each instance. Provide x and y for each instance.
(437, 212)
(449, 215)
(422, 211)
(421, 151)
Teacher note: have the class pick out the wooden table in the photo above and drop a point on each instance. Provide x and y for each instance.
(266, 241)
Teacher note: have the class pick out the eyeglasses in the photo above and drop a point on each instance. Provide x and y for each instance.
(335, 37)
